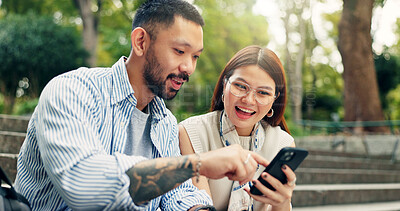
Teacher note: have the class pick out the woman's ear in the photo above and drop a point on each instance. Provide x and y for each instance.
(225, 80)
(140, 40)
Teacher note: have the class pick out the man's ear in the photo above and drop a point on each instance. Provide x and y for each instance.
(140, 41)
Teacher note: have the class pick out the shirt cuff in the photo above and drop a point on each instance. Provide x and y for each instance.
(185, 197)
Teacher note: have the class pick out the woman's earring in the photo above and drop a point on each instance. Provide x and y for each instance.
(270, 113)
(222, 97)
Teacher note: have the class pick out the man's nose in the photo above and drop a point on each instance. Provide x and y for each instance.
(188, 66)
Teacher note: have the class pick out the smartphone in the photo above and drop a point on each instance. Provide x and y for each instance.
(290, 156)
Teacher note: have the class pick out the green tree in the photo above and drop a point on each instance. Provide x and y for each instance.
(388, 74)
(323, 84)
(393, 98)
(38, 49)
(361, 96)
(325, 97)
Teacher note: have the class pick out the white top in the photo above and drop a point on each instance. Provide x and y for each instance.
(204, 135)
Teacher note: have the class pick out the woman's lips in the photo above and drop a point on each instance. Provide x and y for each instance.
(244, 113)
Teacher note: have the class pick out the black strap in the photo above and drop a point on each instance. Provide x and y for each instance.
(11, 193)
(3, 177)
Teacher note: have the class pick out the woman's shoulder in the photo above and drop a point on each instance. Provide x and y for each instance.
(276, 133)
(202, 131)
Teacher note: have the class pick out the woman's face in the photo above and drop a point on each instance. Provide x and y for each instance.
(245, 111)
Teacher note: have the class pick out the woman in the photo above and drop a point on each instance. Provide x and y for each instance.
(247, 109)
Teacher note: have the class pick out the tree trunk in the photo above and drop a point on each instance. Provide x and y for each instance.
(289, 67)
(361, 96)
(294, 68)
(298, 80)
(90, 32)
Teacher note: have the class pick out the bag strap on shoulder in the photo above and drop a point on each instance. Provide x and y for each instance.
(11, 193)
(3, 177)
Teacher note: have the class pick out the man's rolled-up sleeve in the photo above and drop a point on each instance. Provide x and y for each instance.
(184, 197)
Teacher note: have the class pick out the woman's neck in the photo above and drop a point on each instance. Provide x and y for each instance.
(244, 131)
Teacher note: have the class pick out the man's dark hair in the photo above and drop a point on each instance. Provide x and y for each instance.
(154, 15)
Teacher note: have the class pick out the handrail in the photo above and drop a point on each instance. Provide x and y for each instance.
(342, 124)
(348, 124)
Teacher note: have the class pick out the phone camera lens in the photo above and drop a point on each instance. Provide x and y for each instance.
(288, 156)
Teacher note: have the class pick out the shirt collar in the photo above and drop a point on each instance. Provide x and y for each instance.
(121, 86)
(158, 108)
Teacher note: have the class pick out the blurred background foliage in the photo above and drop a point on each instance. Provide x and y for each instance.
(34, 49)
(42, 38)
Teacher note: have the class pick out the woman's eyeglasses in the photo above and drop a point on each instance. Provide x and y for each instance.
(262, 95)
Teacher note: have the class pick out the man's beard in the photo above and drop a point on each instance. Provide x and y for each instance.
(153, 73)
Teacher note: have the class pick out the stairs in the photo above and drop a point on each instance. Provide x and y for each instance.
(12, 135)
(329, 180)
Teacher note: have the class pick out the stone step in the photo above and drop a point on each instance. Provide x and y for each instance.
(317, 195)
(345, 176)
(364, 145)
(13, 123)
(8, 163)
(320, 161)
(348, 154)
(382, 206)
(11, 142)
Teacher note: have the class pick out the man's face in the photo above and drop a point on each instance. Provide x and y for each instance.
(172, 57)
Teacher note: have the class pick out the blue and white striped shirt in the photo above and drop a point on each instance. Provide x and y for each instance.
(72, 157)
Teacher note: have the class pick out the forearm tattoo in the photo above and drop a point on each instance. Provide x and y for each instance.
(152, 178)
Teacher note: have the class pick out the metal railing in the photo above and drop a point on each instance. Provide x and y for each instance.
(338, 126)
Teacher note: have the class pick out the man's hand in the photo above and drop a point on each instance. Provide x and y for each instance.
(232, 161)
(152, 178)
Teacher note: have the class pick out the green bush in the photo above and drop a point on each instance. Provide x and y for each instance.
(1, 103)
(323, 107)
(25, 106)
(393, 99)
(36, 48)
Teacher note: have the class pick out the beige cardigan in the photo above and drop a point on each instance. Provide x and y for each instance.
(204, 135)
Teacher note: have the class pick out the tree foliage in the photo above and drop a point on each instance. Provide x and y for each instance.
(324, 98)
(393, 107)
(35, 47)
(388, 74)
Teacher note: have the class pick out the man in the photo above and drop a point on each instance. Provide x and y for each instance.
(99, 137)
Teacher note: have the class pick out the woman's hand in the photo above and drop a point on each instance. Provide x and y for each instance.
(280, 198)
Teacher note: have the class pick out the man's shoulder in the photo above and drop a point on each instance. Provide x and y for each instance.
(87, 77)
(86, 73)
(89, 83)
